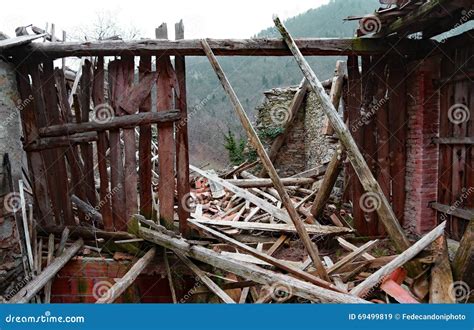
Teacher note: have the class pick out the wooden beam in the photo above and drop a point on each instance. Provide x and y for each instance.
(115, 123)
(351, 256)
(122, 284)
(205, 279)
(363, 288)
(224, 47)
(358, 162)
(274, 227)
(249, 272)
(267, 163)
(258, 183)
(441, 282)
(463, 263)
(335, 94)
(453, 210)
(469, 140)
(32, 288)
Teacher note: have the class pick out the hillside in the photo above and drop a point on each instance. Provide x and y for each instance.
(211, 114)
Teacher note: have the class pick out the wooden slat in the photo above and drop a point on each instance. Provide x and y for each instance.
(166, 148)
(454, 210)
(144, 150)
(98, 98)
(182, 145)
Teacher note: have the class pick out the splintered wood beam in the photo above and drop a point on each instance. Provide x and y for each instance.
(205, 279)
(247, 271)
(291, 113)
(224, 47)
(32, 288)
(363, 288)
(122, 284)
(267, 163)
(335, 94)
(384, 210)
(265, 257)
(129, 121)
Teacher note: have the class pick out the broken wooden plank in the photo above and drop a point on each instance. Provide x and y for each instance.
(463, 263)
(335, 94)
(466, 214)
(441, 283)
(274, 227)
(363, 288)
(18, 41)
(351, 247)
(47, 288)
(32, 288)
(358, 162)
(122, 284)
(250, 272)
(137, 94)
(129, 121)
(205, 279)
(267, 163)
(265, 257)
(351, 256)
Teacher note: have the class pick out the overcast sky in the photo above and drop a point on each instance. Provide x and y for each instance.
(202, 18)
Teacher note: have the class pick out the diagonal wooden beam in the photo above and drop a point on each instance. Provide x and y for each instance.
(267, 163)
(384, 210)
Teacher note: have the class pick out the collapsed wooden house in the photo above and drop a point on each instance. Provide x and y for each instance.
(109, 174)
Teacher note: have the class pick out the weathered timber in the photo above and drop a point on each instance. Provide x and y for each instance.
(60, 141)
(249, 272)
(122, 284)
(47, 288)
(329, 180)
(169, 275)
(267, 163)
(87, 209)
(358, 162)
(258, 183)
(165, 84)
(291, 113)
(273, 227)
(205, 279)
(335, 93)
(227, 47)
(441, 282)
(265, 257)
(182, 144)
(137, 94)
(86, 232)
(468, 140)
(33, 287)
(115, 123)
(349, 246)
(453, 210)
(363, 288)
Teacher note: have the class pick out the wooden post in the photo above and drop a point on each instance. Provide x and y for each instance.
(33, 287)
(122, 284)
(166, 148)
(267, 163)
(181, 128)
(463, 263)
(441, 275)
(368, 181)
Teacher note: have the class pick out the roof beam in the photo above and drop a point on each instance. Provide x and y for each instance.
(222, 47)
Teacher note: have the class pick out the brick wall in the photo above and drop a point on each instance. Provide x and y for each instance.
(422, 154)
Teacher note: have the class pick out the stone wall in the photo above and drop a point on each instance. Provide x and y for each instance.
(305, 146)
